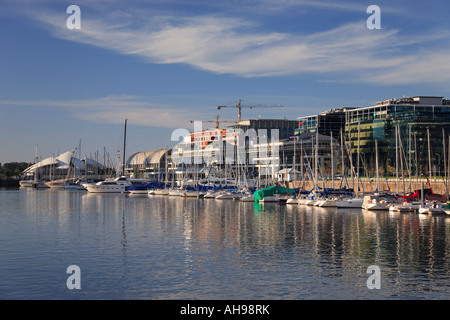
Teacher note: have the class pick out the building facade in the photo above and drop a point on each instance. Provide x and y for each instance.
(409, 136)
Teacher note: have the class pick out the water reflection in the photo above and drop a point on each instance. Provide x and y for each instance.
(170, 247)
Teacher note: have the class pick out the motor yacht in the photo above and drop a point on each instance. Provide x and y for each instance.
(116, 185)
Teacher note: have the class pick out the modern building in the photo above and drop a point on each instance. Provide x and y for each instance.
(151, 165)
(409, 136)
(328, 123)
(66, 166)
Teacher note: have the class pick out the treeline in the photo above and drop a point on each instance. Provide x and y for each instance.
(12, 169)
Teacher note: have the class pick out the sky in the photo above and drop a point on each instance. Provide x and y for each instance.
(162, 63)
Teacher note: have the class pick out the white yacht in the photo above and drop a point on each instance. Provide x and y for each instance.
(159, 192)
(192, 194)
(328, 202)
(26, 183)
(210, 194)
(176, 192)
(224, 195)
(379, 202)
(349, 203)
(273, 198)
(247, 198)
(432, 207)
(116, 185)
(292, 201)
(406, 206)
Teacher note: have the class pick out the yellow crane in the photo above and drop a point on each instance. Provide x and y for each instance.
(239, 106)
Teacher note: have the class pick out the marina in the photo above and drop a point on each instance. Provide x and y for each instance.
(242, 151)
(172, 247)
(232, 230)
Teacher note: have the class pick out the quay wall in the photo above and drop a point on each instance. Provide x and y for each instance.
(390, 185)
(9, 182)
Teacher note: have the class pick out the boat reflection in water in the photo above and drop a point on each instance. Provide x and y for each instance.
(162, 247)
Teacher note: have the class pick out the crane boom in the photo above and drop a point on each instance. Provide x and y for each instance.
(216, 121)
(239, 106)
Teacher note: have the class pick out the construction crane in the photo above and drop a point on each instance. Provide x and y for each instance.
(216, 121)
(239, 106)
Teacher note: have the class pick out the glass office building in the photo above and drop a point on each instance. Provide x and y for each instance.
(410, 135)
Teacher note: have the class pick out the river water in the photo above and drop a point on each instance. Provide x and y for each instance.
(159, 247)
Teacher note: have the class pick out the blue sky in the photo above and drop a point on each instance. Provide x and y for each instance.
(162, 63)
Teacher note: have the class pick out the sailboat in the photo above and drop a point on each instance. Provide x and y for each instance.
(355, 201)
(117, 185)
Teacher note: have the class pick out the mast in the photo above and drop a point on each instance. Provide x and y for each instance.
(332, 161)
(409, 158)
(36, 161)
(294, 161)
(124, 146)
(316, 158)
(301, 160)
(448, 159)
(342, 155)
(445, 162)
(357, 157)
(396, 157)
(401, 152)
(376, 165)
(429, 151)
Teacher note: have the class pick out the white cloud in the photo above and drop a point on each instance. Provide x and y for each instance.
(236, 46)
(114, 109)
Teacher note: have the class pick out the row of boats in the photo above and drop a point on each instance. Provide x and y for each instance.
(379, 202)
(373, 202)
(376, 201)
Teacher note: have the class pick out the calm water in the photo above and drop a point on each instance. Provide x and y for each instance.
(141, 247)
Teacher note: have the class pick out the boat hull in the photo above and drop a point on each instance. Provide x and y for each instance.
(349, 203)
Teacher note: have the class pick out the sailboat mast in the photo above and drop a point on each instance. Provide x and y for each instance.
(357, 157)
(124, 146)
(376, 165)
(429, 151)
(316, 159)
(332, 160)
(396, 157)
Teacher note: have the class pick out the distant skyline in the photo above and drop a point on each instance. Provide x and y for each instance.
(162, 63)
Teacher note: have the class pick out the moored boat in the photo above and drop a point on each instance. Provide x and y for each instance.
(116, 185)
(406, 206)
(379, 202)
(433, 207)
(349, 203)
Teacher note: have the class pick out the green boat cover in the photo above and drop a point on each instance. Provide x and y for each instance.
(261, 193)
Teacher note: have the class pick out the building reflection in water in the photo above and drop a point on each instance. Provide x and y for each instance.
(254, 241)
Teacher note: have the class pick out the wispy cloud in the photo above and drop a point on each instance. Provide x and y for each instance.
(233, 45)
(115, 108)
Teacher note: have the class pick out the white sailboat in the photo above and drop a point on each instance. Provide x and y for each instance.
(116, 185)
(378, 202)
(406, 206)
(35, 183)
(247, 198)
(328, 202)
(432, 208)
(292, 201)
(349, 203)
